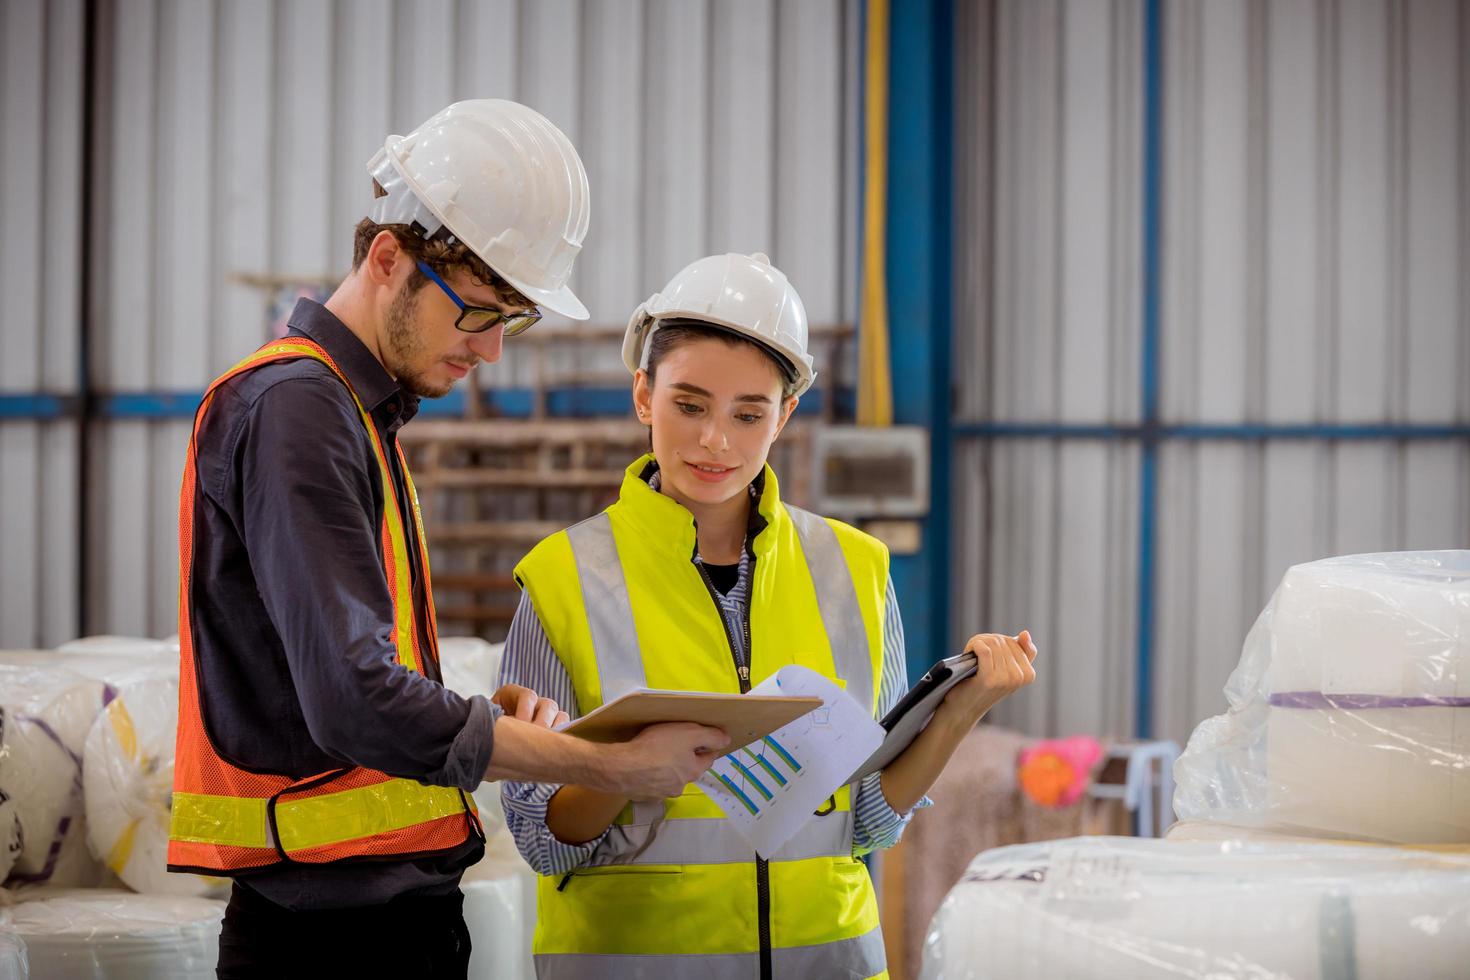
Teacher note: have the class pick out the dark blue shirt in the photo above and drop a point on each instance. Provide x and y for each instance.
(292, 618)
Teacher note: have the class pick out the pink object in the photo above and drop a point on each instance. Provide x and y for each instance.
(1056, 772)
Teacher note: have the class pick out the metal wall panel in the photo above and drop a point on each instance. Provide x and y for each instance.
(1059, 522)
(238, 133)
(1314, 253)
(1047, 330)
(1314, 240)
(40, 198)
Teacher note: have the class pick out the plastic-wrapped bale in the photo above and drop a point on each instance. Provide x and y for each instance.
(76, 934)
(45, 715)
(1350, 708)
(469, 664)
(127, 775)
(10, 833)
(14, 964)
(1133, 909)
(495, 913)
(131, 647)
(500, 909)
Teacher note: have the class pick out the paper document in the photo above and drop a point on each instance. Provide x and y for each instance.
(771, 787)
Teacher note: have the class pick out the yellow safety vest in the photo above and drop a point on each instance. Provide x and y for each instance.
(673, 889)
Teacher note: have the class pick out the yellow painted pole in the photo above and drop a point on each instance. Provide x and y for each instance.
(875, 383)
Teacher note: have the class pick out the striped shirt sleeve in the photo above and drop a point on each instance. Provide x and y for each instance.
(530, 661)
(877, 825)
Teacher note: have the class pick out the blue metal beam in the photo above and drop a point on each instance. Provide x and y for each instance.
(498, 402)
(919, 261)
(1153, 161)
(1213, 432)
(37, 406)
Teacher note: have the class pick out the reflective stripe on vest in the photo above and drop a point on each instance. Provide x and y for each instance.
(608, 605)
(226, 819)
(670, 890)
(838, 601)
(859, 956)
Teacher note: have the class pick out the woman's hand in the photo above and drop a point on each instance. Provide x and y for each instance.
(1004, 666)
(524, 704)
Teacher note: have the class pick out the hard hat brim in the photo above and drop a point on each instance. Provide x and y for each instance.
(562, 300)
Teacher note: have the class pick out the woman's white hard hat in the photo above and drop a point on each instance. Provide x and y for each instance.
(504, 181)
(741, 294)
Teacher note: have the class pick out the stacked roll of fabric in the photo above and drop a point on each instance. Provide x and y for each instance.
(45, 715)
(1350, 709)
(84, 934)
(14, 964)
(127, 779)
(1134, 909)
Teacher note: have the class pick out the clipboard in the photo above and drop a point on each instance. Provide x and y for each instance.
(912, 713)
(744, 717)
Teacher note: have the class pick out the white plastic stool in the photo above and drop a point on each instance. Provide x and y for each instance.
(1152, 814)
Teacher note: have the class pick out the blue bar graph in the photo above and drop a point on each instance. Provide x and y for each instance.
(739, 794)
(761, 759)
(750, 777)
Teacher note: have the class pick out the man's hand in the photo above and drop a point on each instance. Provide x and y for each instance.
(1004, 667)
(524, 704)
(660, 762)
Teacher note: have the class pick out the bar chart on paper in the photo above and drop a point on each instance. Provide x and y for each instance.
(769, 788)
(754, 775)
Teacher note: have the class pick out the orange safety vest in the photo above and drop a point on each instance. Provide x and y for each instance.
(226, 819)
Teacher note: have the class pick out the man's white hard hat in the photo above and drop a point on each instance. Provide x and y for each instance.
(504, 181)
(742, 294)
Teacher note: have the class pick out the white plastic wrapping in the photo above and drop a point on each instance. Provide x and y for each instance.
(45, 715)
(132, 647)
(500, 910)
(127, 776)
(113, 665)
(1115, 907)
(470, 666)
(116, 935)
(494, 911)
(10, 833)
(14, 964)
(1350, 708)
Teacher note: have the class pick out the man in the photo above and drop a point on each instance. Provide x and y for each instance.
(320, 762)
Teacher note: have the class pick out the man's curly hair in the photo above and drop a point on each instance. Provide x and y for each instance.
(438, 254)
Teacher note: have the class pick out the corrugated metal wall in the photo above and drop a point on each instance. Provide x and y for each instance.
(239, 130)
(1053, 231)
(1315, 192)
(1315, 252)
(40, 207)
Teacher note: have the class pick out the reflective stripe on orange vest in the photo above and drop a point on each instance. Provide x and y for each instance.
(226, 819)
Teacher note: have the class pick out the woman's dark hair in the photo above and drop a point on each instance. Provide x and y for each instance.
(675, 333)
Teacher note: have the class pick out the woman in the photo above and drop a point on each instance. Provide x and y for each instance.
(700, 578)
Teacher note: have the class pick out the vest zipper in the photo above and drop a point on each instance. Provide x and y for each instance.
(742, 672)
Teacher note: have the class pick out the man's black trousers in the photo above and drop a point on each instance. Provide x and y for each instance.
(410, 937)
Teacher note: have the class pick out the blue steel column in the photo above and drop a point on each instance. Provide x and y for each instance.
(920, 259)
(1153, 65)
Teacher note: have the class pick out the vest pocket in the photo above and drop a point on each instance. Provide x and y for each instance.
(628, 874)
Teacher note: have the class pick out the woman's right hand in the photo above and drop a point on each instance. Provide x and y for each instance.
(1004, 666)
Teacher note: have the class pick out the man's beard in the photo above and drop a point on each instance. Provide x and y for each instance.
(405, 347)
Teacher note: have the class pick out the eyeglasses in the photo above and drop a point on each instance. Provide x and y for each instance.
(478, 319)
